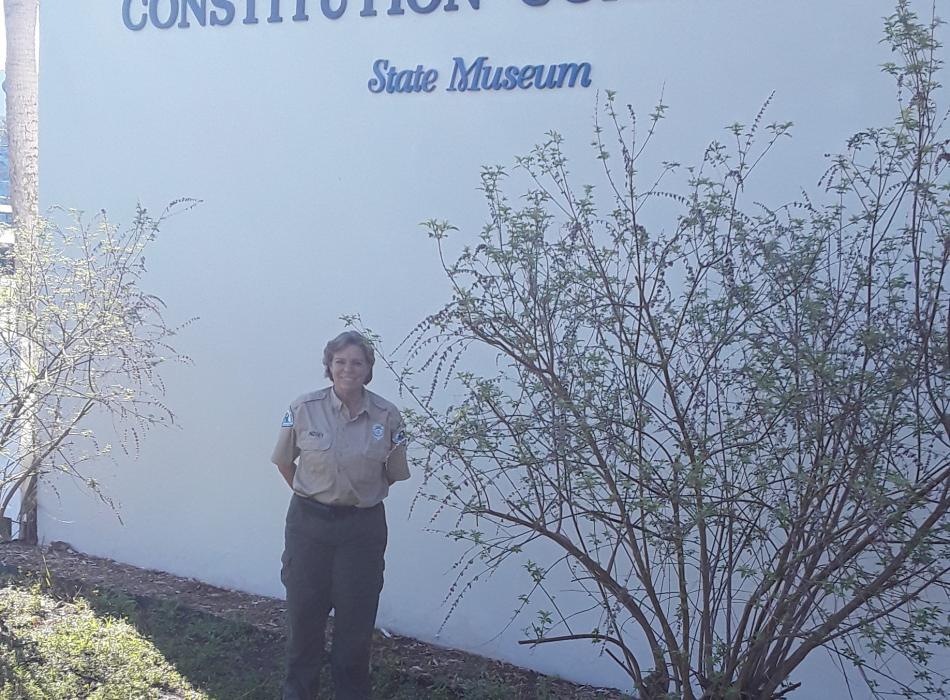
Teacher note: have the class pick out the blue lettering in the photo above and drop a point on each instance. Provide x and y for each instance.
(572, 71)
(127, 16)
(511, 77)
(481, 75)
(378, 83)
(329, 12)
(539, 3)
(527, 74)
(424, 9)
(391, 76)
(452, 5)
(200, 11)
(465, 78)
(403, 82)
(546, 80)
(164, 14)
(153, 14)
(228, 7)
(387, 78)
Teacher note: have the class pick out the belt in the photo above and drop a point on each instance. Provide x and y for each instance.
(325, 510)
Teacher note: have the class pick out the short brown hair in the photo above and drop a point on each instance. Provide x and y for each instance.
(345, 339)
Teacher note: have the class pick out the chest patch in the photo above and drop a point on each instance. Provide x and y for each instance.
(378, 431)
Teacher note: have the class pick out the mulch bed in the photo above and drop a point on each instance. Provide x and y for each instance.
(425, 662)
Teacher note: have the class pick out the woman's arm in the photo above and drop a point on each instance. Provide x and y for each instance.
(287, 471)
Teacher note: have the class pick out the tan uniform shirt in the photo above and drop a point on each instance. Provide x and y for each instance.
(343, 459)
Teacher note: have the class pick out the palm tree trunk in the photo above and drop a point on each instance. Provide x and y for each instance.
(22, 128)
(21, 88)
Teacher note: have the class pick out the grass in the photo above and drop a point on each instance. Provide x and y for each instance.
(65, 644)
(52, 649)
(61, 641)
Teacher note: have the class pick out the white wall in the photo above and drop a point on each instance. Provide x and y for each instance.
(313, 189)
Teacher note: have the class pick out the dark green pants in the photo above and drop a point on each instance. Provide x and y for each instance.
(333, 559)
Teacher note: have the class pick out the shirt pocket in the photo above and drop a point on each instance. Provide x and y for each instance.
(367, 472)
(321, 442)
(316, 470)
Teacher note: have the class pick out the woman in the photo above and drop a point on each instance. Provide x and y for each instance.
(339, 449)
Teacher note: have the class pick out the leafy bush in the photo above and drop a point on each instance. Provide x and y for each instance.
(734, 432)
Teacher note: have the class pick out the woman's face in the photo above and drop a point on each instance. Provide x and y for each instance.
(349, 369)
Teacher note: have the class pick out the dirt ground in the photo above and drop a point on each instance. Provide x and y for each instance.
(424, 661)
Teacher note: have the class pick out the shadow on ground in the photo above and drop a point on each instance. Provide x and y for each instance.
(219, 657)
(222, 659)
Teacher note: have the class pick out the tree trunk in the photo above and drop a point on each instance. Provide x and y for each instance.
(21, 88)
(22, 129)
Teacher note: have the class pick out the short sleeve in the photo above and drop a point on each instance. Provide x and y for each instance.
(397, 466)
(286, 450)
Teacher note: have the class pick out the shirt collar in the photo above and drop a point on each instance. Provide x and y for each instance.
(339, 407)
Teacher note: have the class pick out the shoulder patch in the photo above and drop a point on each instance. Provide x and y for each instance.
(399, 437)
(288, 421)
